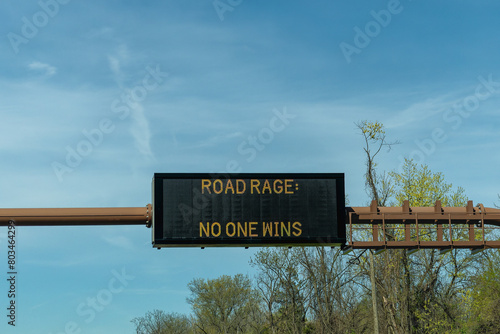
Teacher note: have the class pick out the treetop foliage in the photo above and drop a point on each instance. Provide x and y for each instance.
(421, 187)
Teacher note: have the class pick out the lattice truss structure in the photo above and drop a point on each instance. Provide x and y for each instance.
(414, 228)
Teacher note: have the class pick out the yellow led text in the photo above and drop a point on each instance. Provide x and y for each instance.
(250, 229)
(240, 186)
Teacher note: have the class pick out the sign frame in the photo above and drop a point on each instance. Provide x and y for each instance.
(160, 241)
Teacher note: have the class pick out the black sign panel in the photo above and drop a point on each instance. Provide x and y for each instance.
(248, 209)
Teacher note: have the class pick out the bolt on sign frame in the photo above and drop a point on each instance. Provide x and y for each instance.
(422, 227)
(203, 210)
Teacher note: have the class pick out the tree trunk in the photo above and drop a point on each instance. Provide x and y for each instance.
(409, 322)
(374, 294)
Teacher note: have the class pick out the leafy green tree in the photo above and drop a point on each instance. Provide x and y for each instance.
(432, 283)
(421, 293)
(485, 297)
(159, 322)
(224, 305)
(421, 187)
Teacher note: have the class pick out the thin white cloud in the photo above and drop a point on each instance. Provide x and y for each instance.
(157, 291)
(46, 69)
(421, 111)
(114, 65)
(218, 139)
(416, 112)
(117, 61)
(119, 241)
(63, 263)
(139, 128)
(140, 131)
(104, 32)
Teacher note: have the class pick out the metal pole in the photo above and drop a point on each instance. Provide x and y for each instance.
(77, 216)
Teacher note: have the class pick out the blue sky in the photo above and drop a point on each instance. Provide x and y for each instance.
(179, 86)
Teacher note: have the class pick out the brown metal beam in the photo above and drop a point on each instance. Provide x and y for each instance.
(424, 244)
(426, 215)
(77, 216)
(469, 221)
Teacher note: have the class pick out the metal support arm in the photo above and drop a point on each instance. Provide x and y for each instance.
(77, 216)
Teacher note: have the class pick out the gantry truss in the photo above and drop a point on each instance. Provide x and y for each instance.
(414, 228)
(372, 227)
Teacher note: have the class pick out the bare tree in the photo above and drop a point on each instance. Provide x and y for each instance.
(333, 299)
(282, 288)
(378, 186)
